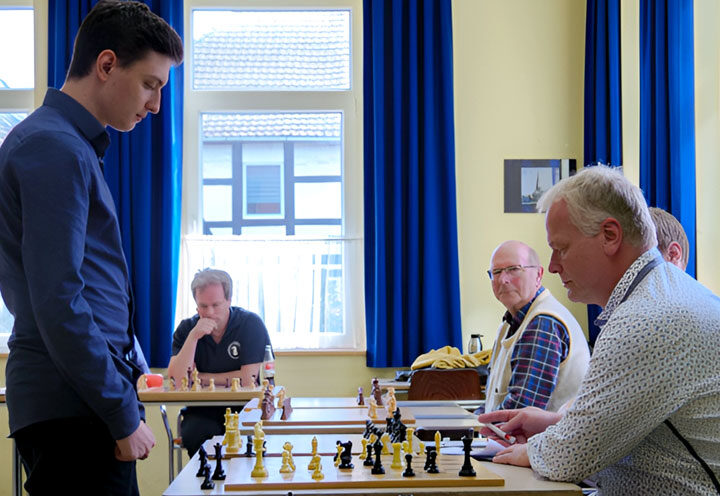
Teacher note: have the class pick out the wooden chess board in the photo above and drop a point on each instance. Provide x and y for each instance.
(239, 479)
(251, 413)
(160, 394)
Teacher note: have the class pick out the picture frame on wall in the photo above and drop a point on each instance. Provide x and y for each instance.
(527, 179)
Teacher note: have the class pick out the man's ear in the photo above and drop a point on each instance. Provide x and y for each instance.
(674, 254)
(106, 61)
(612, 236)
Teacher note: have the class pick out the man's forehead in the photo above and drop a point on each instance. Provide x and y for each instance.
(509, 255)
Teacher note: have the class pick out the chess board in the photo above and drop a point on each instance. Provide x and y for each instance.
(160, 394)
(251, 413)
(239, 479)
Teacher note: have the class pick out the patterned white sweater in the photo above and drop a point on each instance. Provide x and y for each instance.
(657, 357)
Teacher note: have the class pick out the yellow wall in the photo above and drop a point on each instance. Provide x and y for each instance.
(707, 139)
(518, 76)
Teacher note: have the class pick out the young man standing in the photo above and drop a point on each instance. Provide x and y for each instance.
(73, 407)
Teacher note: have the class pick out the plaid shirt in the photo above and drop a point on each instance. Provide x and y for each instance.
(536, 358)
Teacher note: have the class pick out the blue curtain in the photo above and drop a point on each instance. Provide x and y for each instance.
(667, 111)
(144, 171)
(411, 269)
(603, 104)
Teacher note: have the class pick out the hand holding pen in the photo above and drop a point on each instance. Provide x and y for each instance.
(518, 425)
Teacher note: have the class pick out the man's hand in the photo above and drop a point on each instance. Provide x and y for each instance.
(203, 327)
(523, 423)
(136, 446)
(513, 455)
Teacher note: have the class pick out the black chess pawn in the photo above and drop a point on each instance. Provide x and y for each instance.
(202, 455)
(369, 458)
(467, 468)
(431, 464)
(377, 466)
(409, 472)
(219, 473)
(207, 483)
(360, 397)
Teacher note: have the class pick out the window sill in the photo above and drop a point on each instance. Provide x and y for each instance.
(326, 352)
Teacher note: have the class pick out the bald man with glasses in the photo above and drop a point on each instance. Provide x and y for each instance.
(540, 353)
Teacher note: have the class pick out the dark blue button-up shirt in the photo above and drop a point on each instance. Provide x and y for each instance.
(63, 274)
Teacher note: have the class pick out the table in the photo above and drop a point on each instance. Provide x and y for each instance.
(516, 480)
(161, 397)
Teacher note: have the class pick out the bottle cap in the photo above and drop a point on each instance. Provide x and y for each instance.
(474, 335)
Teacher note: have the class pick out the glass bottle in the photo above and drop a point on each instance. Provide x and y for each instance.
(268, 366)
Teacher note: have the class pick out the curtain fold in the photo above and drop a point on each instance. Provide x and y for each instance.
(411, 264)
(603, 100)
(143, 169)
(667, 111)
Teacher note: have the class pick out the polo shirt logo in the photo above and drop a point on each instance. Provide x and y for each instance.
(234, 350)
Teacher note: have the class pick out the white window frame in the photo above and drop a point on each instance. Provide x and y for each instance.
(29, 99)
(349, 102)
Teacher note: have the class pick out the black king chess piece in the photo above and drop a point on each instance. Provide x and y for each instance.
(467, 468)
(219, 473)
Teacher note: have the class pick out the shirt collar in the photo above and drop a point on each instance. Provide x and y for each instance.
(517, 320)
(625, 284)
(83, 120)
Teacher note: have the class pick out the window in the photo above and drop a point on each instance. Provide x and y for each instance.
(19, 83)
(272, 177)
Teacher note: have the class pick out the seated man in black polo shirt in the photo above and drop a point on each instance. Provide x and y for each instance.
(223, 342)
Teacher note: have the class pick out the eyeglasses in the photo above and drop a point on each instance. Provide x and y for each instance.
(512, 270)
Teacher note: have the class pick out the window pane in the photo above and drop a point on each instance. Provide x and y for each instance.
(271, 50)
(318, 200)
(295, 286)
(217, 203)
(284, 126)
(17, 64)
(221, 231)
(7, 122)
(216, 161)
(263, 186)
(318, 159)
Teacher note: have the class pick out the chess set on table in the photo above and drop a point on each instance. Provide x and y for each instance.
(374, 467)
(151, 388)
(379, 465)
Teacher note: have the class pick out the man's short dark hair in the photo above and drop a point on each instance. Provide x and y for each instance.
(127, 28)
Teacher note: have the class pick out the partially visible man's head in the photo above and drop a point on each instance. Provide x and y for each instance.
(596, 193)
(127, 28)
(208, 276)
(597, 224)
(672, 240)
(515, 273)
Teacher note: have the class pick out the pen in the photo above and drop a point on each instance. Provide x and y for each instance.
(504, 435)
